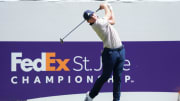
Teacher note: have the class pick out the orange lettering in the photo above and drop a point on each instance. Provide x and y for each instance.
(49, 61)
(62, 65)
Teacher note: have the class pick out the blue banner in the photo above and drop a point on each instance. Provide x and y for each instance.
(41, 69)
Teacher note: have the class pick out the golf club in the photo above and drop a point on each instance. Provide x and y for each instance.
(61, 39)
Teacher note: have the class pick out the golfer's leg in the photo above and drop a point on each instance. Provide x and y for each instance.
(117, 72)
(99, 83)
(117, 82)
(107, 71)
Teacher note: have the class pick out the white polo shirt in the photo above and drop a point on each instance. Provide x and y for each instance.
(107, 33)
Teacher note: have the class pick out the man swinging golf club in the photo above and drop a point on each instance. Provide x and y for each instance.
(113, 55)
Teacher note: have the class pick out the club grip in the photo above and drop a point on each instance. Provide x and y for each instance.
(97, 9)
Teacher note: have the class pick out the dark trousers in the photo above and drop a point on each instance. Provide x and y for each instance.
(113, 61)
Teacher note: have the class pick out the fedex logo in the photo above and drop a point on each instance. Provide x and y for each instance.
(28, 65)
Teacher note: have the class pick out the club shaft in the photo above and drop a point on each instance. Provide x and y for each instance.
(76, 27)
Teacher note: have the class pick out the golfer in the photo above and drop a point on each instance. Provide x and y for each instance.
(113, 55)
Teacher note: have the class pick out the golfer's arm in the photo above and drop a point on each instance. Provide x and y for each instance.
(112, 19)
(107, 12)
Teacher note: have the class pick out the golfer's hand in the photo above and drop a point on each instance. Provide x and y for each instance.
(102, 6)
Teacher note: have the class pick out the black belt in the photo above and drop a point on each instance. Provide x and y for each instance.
(114, 49)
